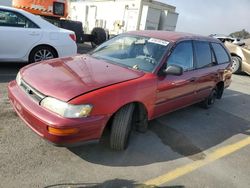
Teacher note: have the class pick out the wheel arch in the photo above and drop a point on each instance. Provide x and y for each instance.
(140, 110)
(220, 89)
(236, 55)
(41, 45)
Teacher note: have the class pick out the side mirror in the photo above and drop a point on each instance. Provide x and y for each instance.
(173, 70)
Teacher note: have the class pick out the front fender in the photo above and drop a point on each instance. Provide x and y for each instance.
(110, 99)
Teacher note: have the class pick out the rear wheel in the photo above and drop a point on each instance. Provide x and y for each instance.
(236, 66)
(99, 36)
(220, 90)
(210, 100)
(41, 53)
(121, 127)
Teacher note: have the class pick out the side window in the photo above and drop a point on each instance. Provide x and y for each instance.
(11, 19)
(182, 56)
(220, 53)
(203, 54)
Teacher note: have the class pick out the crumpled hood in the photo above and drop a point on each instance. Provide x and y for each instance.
(244, 53)
(69, 77)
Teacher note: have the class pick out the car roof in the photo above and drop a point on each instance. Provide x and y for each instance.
(172, 36)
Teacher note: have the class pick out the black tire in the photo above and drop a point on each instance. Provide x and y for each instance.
(99, 36)
(140, 120)
(142, 127)
(236, 66)
(210, 100)
(121, 128)
(39, 50)
(220, 91)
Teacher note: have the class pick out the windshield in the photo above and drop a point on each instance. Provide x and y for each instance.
(137, 52)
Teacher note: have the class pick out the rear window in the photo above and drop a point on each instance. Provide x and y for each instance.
(220, 53)
(58, 8)
(203, 54)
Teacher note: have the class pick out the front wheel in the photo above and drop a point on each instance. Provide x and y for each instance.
(236, 66)
(121, 127)
(41, 53)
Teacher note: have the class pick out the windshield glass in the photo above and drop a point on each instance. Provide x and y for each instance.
(136, 52)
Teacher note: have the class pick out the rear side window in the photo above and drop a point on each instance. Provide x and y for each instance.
(220, 53)
(12, 19)
(58, 8)
(182, 56)
(203, 54)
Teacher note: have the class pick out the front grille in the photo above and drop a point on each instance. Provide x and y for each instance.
(33, 93)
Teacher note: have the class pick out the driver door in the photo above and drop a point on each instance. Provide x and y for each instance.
(174, 92)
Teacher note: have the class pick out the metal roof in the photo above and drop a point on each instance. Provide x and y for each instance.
(171, 36)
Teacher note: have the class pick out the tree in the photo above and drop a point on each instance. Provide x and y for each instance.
(243, 34)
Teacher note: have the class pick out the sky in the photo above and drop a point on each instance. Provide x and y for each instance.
(212, 16)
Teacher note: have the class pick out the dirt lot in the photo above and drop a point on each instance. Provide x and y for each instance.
(192, 147)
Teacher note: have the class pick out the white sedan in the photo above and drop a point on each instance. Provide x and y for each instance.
(29, 38)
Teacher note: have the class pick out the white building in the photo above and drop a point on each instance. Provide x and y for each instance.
(119, 16)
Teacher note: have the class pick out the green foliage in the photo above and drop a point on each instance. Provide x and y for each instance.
(243, 34)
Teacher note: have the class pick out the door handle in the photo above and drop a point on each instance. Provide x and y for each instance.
(192, 79)
(34, 34)
(216, 74)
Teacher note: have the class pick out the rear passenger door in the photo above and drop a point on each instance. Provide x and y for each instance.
(224, 63)
(206, 69)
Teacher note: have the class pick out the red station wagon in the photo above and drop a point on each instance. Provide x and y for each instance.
(125, 82)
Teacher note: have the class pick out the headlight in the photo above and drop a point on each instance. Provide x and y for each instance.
(18, 78)
(66, 110)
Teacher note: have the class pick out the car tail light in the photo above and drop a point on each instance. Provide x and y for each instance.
(73, 37)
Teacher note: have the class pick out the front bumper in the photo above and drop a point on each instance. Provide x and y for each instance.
(39, 119)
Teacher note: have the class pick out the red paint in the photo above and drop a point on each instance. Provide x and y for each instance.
(38, 119)
(74, 76)
(108, 87)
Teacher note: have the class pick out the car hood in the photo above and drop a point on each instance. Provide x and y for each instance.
(67, 78)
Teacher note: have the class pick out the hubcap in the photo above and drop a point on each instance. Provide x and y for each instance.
(43, 55)
(235, 65)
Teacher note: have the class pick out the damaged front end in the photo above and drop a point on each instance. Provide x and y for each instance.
(241, 57)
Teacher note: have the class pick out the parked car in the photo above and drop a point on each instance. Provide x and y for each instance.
(240, 58)
(224, 38)
(125, 82)
(29, 38)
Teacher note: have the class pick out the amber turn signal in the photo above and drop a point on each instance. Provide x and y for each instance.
(62, 132)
